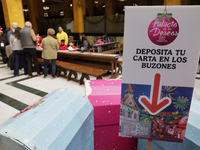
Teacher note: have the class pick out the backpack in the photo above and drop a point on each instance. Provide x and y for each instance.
(11, 62)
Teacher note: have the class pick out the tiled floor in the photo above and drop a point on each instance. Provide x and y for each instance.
(16, 93)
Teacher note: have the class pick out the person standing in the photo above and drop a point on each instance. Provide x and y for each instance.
(14, 26)
(2, 46)
(50, 47)
(19, 54)
(61, 35)
(28, 40)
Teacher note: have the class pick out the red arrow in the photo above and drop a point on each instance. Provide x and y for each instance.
(154, 105)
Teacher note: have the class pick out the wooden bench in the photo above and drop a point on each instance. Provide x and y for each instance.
(106, 62)
(113, 51)
(74, 68)
(94, 60)
(41, 63)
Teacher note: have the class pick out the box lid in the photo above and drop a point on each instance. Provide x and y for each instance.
(53, 122)
(105, 96)
(193, 128)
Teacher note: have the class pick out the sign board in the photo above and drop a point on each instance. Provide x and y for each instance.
(161, 53)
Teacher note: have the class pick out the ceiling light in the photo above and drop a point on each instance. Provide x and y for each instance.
(104, 6)
(45, 8)
(96, 2)
(25, 10)
(43, 1)
(70, 5)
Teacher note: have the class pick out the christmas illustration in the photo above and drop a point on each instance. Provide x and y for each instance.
(167, 125)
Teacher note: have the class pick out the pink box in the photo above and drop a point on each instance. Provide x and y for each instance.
(105, 96)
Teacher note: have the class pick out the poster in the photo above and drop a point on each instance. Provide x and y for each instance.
(160, 58)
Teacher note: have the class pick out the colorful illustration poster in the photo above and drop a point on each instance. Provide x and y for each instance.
(160, 58)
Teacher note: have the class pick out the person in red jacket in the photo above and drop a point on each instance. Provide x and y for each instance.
(39, 43)
(62, 45)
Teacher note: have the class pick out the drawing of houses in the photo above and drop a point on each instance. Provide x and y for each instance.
(128, 98)
(129, 114)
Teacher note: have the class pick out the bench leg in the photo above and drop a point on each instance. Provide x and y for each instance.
(40, 66)
(58, 71)
(70, 75)
(112, 69)
(119, 69)
(64, 71)
(99, 77)
(82, 77)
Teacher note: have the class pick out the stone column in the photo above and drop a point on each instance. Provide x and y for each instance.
(33, 13)
(67, 8)
(109, 7)
(172, 2)
(78, 16)
(91, 7)
(13, 12)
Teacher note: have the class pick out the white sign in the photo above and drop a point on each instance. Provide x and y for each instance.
(161, 53)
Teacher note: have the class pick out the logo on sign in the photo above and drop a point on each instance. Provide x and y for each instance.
(164, 29)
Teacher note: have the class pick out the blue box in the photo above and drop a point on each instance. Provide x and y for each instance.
(192, 136)
(62, 120)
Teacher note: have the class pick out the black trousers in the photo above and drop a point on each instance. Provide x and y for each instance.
(3, 55)
(32, 53)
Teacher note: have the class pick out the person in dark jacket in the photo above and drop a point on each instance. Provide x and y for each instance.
(3, 42)
(28, 40)
(14, 26)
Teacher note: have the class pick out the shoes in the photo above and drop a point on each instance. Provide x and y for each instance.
(53, 78)
(39, 74)
(30, 76)
(44, 77)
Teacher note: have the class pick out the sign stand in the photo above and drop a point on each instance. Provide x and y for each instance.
(149, 142)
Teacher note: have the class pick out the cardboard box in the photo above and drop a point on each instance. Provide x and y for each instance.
(105, 96)
(61, 120)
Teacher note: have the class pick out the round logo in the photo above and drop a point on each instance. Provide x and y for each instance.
(163, 30)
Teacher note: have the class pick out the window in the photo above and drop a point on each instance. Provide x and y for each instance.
(120, 129)
(122, 112)
(61, 13)
(45, 14)
(130, 115)
(135, 116)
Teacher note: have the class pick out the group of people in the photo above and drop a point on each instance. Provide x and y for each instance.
(101, 40)
(23, 42)
(63, 41)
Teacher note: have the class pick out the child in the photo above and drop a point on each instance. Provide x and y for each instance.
(100, 41)
(39, 43)
(72, 47)
(62, 45)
